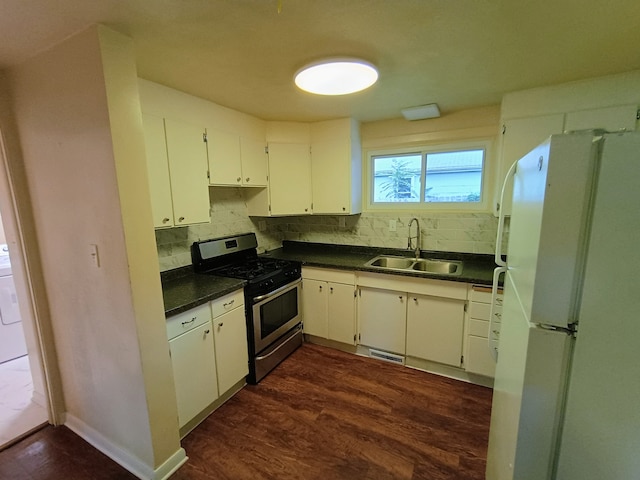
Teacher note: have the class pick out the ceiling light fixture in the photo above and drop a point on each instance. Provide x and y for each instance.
(339, 76)
(421, 112)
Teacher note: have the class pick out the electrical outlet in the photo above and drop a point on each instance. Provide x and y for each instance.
(392, 225)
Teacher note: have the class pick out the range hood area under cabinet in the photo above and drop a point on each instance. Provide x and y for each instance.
(314, 168)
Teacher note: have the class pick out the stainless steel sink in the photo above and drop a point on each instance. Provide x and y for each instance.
(423, 265)
(392, 262)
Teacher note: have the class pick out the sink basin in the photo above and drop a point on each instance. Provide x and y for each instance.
(423, 265)
(442, 267)
(392, 262)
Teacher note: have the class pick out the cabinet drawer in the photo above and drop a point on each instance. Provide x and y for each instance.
(483, 295)
(227, 303)
(483, 310)
(188, 320)
(478, 359)
(478, 328)
(328, 275)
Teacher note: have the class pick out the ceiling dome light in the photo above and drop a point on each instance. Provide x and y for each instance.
(336, 76)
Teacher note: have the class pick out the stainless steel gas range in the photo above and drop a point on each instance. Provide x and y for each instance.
(272, 297)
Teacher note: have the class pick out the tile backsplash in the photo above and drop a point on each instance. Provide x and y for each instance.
(454, 232)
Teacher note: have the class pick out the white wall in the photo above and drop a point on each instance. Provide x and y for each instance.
(79, 122)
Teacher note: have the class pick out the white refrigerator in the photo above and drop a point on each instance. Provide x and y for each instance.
(566, 402)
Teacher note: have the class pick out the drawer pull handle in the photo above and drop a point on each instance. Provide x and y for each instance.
(228, 303)
(189, 321)
(499, 315)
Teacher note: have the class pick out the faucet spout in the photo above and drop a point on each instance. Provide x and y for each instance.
(417, 237)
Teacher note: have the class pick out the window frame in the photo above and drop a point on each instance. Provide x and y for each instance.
(484, 205)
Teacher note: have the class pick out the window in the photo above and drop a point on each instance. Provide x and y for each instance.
(442, 176)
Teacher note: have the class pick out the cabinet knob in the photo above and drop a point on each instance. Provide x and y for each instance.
(331, 289)
(238, 179)
(320, 287)
(165, 220)
(207, 332)
(415, 299)
(220, 324)
(306, 209)
(400, 297)
(181, 219)
(344, 209)
(247, 180)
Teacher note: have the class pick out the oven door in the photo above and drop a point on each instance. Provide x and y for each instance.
(275, 313)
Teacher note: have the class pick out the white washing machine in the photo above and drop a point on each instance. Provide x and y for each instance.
(12, 343)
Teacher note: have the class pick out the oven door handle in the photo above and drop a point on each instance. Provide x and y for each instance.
(276, 292)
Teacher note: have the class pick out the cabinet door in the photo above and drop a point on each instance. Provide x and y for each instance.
(254, 162)
(224, 158)
(331, 177)
(434, 329)
(341, 313)
(194, 371)
(289, 178)
(382, 319)
(478, 359)
(611, 119)
(232, 359)
(187, 154)
(158, 171)
(519, 137)
(314, 308)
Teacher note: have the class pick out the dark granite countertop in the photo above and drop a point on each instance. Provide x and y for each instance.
(183, 289)
(477, 268)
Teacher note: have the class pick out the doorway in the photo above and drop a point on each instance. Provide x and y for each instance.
(21, 411)
(24, 398)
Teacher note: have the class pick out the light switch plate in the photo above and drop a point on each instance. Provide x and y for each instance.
(392, 225)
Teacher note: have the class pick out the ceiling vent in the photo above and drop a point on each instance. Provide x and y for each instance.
(421, 112)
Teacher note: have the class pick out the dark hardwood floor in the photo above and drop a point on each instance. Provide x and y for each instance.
(322, 414)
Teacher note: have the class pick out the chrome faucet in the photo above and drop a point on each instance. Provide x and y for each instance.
(417, 237)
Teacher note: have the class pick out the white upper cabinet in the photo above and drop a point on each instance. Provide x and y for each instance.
(158, 171)
(187, 154)
(253, 156)
(313, 168)
(289, 179)
(224, 158)
(177, 172)
(529, 116)
(336, 167)
(236, 161)
(518, 137)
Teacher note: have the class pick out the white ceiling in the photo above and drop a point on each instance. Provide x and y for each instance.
(243, 53)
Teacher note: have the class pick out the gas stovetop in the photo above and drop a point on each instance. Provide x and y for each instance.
(237, 257)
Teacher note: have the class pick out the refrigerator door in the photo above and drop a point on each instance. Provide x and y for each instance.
(547, 238)
(528, 390)
(601, 432)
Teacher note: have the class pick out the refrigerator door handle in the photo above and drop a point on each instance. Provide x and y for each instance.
(494, 294)
(499, 261)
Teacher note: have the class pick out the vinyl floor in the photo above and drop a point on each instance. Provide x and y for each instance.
(322, 414)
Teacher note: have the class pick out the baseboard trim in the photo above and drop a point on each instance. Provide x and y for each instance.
(122, 457)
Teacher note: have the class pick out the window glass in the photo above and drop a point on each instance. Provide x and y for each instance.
(454, 176)
(450, 176)
(397, 178)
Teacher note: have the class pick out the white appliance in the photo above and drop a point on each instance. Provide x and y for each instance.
(12, 342)
(567, 385)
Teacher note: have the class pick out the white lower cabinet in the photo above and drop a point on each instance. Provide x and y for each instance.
(434, 329)
(194, 371)
(328, 304)
(417, 317)
(478, 358)
(230, 334)
(382, 315)
(208, 356)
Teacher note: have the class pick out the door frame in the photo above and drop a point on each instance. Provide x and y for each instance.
(20, 233)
